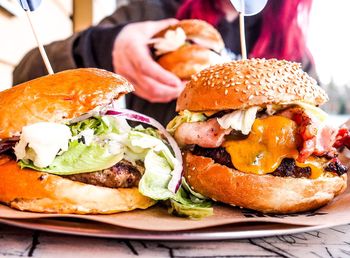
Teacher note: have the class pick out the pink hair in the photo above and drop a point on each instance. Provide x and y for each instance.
(207, 10)
(281, 35)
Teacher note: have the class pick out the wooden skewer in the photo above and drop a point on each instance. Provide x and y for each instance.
(242, 31)
(40, 45)
(242, 35)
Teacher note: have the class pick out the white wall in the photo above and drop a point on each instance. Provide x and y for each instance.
(329, 39)
(53, 22)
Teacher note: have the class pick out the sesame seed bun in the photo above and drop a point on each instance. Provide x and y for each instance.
(265, 193)
(245, 83)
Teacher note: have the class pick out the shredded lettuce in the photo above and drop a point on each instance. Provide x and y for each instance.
(101, 125)
(189, 203)
(79, 158)
(184, 117)
(240, 120)
(98, 143)
(159, 163)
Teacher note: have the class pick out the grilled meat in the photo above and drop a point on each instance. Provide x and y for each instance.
(336, 166)
(122, 175)
(219, 155)
(287, 168)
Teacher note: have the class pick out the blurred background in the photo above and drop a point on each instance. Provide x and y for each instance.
(328, 37)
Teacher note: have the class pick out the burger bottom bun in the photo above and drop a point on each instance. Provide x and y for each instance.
(264, 193)
(189, 60)
(30, 190)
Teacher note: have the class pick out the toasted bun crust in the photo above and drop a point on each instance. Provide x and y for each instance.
(188, 60)
(199, 31)
(58, 97)
(29, 190)
(264, 193)
(245, 83)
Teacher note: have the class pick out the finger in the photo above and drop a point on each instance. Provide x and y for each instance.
(142, 93)
(157, 92)
(159, 89)
(147, 66)
(139, 91)
(147, 87)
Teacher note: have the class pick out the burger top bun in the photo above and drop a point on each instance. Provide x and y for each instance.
(245, 83)
(200, 32)
(58, 98)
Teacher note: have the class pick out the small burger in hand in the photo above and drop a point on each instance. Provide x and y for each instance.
(253, 136)
(188, 47)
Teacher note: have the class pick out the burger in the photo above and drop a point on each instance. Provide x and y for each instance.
(65, 147)
(188, 47)
(253, 136)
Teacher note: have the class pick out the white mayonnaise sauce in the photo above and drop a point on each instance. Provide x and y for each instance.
(44, 140)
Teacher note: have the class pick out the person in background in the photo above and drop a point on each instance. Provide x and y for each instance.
(119, 43)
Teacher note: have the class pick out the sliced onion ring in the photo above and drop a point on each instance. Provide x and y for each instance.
(84, 116)
(176, 179)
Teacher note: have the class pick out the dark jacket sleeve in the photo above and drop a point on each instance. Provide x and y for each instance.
(92, 47)
(32, 65)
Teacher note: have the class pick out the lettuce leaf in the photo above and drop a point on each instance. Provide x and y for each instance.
(184, 117)
(79, 158)
(182, 205)
(188, 203)
(159, 163)
(240, 120)
(101, 125)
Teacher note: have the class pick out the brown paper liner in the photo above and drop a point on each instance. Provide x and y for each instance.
(158, 219)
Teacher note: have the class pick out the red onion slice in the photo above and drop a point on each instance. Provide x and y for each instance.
(175, 181)
(84, 116)
(8, 143)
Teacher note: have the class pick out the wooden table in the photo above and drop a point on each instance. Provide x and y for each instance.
(16, 242)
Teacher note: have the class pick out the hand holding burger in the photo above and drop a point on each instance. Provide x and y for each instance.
(132, 59)
(188, 47)
(254, 137)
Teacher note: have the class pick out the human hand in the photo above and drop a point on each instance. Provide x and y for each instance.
(132, 59)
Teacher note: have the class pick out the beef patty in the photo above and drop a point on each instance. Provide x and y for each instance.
(122, 175)
(287, 167)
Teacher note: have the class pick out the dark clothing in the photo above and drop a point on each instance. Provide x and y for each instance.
(93, 48)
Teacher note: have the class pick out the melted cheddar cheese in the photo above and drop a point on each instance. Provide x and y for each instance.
(270, 141)
(316, 165)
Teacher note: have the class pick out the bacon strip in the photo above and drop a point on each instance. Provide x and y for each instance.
(207, 134)
(316, 138)
(342, 138)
